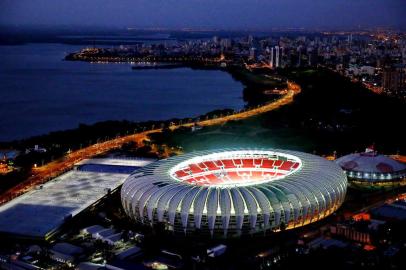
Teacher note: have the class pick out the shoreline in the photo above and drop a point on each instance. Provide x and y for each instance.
(238, 73)
(50, 170)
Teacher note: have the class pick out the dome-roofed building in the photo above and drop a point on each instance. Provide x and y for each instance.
(228, 193)
(372, 170)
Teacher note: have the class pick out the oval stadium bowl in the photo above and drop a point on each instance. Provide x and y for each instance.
(234, 192)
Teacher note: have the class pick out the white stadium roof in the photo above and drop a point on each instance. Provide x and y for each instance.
(229, 192)
(370, 162)
(371, 168)
(137, 162)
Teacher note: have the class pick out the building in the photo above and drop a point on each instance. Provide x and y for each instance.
(371, 170)
(271, 60)
(392, 211)
(225, 43)
(228, 193)
(49, 206)
(129, 253)
(275, 59)
(65, 253)
(277, 56)
(393, 78)
(92, 230)
(326, 243)
(107, 235)
(94, 266)
(351, 233)
(252, 54)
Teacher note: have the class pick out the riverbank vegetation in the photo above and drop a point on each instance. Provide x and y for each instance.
(331, 114)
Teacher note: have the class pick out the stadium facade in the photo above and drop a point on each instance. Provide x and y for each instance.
(372, 170)
(233, 192)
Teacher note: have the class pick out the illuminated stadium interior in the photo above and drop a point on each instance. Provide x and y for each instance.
(234, 192)
(236, 168)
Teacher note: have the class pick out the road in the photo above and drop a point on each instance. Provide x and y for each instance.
(53, 169)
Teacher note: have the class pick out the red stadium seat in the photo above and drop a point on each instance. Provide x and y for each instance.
(202, 165)
(237, 162)
(228, 164)
(233, 176)
(258, 162)
(278, 163)
(219, 163)
(211, 177)
(211, 165)
(208, 170)
(248, 163)
(181, 173)
(267, 163)
(191, 181)
(214, 179)
(286, 166)
(195, 169)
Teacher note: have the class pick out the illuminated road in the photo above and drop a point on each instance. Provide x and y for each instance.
(49, 171)
(293, 89)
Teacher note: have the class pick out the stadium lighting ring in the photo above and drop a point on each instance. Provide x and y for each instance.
(231, 192)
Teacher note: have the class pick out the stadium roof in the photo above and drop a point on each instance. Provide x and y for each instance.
(234, 191)
(370, 162)
(137, 162)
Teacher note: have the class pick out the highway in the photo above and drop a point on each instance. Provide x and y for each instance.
(53, 169)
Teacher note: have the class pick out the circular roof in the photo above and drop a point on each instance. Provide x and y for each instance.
(370, 162)
(234, 191)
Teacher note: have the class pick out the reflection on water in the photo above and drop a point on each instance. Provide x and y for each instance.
(40, 93)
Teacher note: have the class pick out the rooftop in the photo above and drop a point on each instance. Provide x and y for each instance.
(370, 162)
(42, 211)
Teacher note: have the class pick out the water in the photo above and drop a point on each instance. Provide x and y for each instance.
(40, 93)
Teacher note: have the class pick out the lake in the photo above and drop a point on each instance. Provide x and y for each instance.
(40, 92)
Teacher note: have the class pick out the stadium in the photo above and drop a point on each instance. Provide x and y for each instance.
(371, 170)
(234, 192)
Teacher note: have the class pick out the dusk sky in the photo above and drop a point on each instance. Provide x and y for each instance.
(220, 14)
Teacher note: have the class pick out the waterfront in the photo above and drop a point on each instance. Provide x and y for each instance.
(41, 93)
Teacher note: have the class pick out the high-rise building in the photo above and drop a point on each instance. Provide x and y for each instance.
(393, 78)
(299, 59)
(252, 54)
(250, 39)
(225, 43)
(277, 52)
(281, 53)
(312, 57)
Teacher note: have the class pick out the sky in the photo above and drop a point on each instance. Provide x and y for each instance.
(212, 14)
